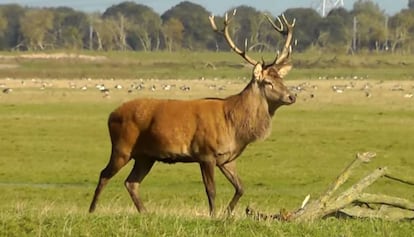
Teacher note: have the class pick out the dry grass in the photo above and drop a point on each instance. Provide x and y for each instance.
(350, 91)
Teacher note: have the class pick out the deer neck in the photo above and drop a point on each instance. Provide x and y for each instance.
(249, 114)
(272, 107)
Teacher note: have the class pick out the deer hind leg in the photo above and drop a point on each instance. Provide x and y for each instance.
(207, 172)
(117, 160)
(229, 170)
(141, 168)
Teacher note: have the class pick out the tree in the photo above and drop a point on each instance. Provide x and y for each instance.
(197, 29)
(70, 28)
(142, 24)
(402, 31)
(129, 25)
(371, 25)
(173, 32)
(105, 34)
(306, 29)
(12, 14)
(335, 32)
(118, 26)
(3, 27)
(34, 27)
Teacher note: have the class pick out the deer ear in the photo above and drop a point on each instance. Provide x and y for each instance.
(283, 70)
(257, 72)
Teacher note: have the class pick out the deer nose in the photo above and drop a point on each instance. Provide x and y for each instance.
(292, 98)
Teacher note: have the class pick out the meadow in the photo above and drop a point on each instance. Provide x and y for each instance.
(54, 142)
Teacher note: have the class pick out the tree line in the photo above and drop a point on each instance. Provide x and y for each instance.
(132, 26)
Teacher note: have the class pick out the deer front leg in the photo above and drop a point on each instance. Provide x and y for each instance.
(207, 172)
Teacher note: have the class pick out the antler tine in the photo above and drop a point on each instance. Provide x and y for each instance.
(234, 11)
(213, 23)
(287, 23)
(225, 32)
(287, 49)
(277, 28)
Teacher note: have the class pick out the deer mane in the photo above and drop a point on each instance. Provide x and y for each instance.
(249, 115)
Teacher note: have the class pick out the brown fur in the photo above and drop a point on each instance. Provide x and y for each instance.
(212, 132)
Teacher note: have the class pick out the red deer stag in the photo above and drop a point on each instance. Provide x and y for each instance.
(212, 131)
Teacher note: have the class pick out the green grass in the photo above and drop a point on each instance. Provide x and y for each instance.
(193, 65)
(54, 143)
(52, 148)
(127, 224)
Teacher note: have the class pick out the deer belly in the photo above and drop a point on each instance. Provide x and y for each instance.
(174, 158)
(166, 151)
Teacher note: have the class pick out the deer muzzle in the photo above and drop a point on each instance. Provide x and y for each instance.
(289, 99)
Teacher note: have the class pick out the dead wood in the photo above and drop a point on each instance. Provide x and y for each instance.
(401, 180)
(352, 202)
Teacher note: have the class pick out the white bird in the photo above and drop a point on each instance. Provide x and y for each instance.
(338, 88)
(409, 95)
(166, 87)
(100, 87)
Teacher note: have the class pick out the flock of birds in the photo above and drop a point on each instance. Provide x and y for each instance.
(353, 85)
(139, 85)
(305, 89)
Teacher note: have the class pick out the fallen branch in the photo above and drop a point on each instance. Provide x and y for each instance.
(351, 202)
(399, 179)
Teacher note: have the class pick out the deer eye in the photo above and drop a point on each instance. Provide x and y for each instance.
(268, 84)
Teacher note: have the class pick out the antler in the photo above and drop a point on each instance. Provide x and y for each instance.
(280, 58)
(225, 32)
(287, 49)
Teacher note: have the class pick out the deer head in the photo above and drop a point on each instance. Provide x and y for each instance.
(269, 77)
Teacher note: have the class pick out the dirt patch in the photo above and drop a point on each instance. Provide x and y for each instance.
(8, 66)
(55, 56)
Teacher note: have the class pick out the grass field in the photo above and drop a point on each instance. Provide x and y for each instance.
(194, 65)
(54, 142)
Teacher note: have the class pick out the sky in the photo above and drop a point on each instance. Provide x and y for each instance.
(216, 7)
